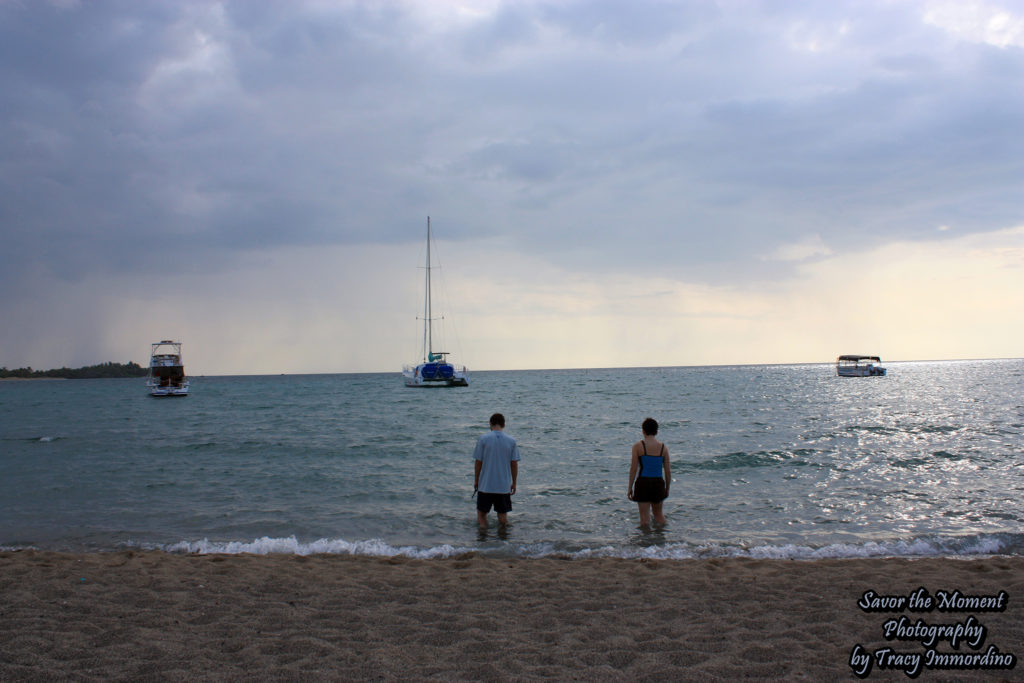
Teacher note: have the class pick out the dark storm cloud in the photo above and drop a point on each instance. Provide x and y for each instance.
(138, 133)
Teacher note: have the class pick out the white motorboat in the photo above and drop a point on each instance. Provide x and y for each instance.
(859, 366)
(166, 370)
(433, 370)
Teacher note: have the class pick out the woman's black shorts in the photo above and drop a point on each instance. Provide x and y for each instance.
(649, 490)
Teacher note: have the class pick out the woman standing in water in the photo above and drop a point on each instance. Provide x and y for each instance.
(650, 461)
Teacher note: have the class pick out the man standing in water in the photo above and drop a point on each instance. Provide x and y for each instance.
(496, 469)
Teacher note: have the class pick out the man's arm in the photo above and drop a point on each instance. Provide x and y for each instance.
(515, 474)
(477, 466)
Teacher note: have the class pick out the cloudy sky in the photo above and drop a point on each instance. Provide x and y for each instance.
(609, 183)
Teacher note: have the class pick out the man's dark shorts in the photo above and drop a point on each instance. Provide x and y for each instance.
(502, 502)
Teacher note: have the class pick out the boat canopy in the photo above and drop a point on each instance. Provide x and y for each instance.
(856, 358)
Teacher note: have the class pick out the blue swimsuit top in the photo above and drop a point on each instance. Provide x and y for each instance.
(652, 465)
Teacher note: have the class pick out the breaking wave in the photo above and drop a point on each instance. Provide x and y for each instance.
(970, 546)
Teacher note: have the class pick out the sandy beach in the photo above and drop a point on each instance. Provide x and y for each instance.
(159, 616)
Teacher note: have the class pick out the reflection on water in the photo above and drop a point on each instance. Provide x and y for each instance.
(494, 530)
(650, 536)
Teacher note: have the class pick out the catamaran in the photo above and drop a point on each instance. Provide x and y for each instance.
(433, 370)
(166, 371)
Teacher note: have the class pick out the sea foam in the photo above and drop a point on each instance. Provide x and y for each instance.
(977, 546)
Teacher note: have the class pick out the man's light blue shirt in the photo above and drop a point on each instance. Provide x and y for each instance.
(496, 450)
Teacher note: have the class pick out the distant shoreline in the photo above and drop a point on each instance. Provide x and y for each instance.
(32, 379)
(108, 370)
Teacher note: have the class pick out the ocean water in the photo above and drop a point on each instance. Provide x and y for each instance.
(767, 461)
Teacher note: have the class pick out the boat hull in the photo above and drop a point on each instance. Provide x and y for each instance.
(861, 372)
(168, 392)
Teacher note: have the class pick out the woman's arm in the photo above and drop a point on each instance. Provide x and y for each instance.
(668, 472)
(634, 463)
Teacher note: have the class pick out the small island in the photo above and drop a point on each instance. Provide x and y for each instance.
(101, 371)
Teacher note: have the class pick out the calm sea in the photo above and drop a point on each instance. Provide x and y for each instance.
(768, 461)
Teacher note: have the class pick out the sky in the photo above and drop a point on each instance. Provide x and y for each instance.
(609, 184)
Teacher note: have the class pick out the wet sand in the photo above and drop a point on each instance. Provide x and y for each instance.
(159, 616)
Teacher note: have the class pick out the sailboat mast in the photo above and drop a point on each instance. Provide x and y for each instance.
(428, 330)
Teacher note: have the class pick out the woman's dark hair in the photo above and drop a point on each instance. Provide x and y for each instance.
(650, 426)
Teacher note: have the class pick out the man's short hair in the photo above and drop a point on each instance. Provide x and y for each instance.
(498, 419)
(650, 426)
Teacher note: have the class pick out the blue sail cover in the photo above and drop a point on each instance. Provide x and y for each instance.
(437, 371)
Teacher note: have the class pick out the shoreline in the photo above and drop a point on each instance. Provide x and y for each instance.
(33, 379)
(151, 614)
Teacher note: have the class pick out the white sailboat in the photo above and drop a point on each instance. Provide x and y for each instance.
(433, 370)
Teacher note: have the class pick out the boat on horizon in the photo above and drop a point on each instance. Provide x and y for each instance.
(852, 365)
(434, 370)
(166, 370)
